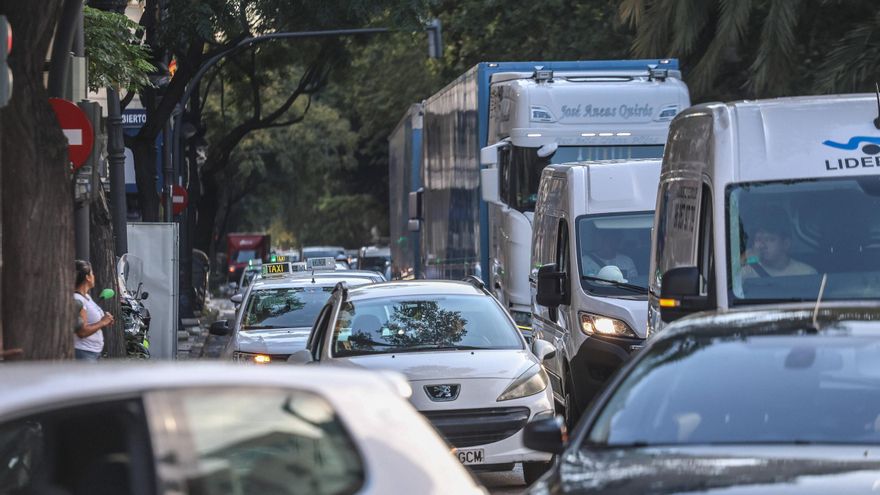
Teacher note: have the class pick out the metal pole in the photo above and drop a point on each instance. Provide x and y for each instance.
(82, 213)
(168, 171)
(116, 158)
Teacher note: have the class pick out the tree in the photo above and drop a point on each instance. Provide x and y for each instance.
(37, 207)
(759, 48)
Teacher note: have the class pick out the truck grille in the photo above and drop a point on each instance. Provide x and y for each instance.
(470, 427)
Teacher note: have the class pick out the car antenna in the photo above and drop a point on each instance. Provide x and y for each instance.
(819, 301)
(877, 92)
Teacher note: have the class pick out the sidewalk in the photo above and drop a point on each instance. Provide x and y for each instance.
(201, 344)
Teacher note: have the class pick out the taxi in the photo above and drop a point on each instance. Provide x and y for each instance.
(215, 429)
(277, 311)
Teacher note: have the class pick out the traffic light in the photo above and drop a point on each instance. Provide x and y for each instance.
(5, 71)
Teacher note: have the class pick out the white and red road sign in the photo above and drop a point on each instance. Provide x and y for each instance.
(179, 199)
(77, 129)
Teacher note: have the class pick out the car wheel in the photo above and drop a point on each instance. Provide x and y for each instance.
(534, 470)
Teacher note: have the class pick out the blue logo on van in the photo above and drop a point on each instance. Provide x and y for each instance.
(872, 146)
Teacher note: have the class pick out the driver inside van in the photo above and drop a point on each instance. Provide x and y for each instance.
(606, 253)
(770, 249)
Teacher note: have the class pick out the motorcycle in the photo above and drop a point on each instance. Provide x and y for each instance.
(135, 315)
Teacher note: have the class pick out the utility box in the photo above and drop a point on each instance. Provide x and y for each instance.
(157, 245)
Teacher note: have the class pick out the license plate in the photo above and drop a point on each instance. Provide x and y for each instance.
(474, 456)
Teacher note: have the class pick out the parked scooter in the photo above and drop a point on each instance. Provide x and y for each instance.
(135, 315)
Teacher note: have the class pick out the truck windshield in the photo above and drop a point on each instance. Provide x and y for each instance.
(614, 252)
(783, 237)
(245, 255)
(521, 168)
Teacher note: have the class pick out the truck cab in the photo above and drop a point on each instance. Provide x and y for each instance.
(767, 202)
(608, 110)
(590, 255)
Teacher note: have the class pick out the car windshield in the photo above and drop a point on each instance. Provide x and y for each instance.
(374, 263)
(322, 253)
(290, 307)
(782, 237)
(245, 255)
(409, 324)
(614, 253)
(772, 389)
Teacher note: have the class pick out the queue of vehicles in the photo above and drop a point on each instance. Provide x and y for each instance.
(578, 356)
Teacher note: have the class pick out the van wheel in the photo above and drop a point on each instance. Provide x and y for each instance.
(534, 470)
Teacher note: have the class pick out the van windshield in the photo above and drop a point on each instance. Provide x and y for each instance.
(783, 237)
(615, 250)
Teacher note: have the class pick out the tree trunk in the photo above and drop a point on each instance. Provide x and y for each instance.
(37, 195)
(209, 205)
(101, 245)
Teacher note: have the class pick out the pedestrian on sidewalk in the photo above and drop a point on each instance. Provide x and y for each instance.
(88, 341)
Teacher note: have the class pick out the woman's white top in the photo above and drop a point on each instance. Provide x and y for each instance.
(94, 313)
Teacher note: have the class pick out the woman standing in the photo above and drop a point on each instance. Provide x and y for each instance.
(88, 341)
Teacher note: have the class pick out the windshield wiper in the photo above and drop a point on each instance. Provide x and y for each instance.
(259, 327)
(622, 285)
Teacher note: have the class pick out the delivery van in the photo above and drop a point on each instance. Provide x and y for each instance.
(767, 202)
(591, 247)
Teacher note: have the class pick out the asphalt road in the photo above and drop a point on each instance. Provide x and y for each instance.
(509, 482)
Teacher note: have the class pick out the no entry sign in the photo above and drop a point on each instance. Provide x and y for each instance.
(179, 199)
(77, 129)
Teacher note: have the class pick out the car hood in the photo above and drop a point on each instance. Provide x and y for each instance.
(746, 470)
(275, 341)
(449, 365)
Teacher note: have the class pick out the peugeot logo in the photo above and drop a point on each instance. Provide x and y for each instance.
(442, 393)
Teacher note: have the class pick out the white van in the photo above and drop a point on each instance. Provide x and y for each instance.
(760, 201)
(590, 255)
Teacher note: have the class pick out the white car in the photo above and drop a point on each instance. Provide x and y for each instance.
(472, 374)
(277, 312)
(214, 429)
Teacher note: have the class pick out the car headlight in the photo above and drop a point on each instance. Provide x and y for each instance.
(603, 325)
(531, 382)
(248, 357)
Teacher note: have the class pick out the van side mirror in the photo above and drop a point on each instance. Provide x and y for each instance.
(680, 294)
(546, 435)
(489, 185)
(551, 287)
(236, 299)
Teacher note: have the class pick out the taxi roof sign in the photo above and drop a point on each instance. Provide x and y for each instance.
(299, 266)
(276, 269)
(321, 263)
(281, 258)
(255, 262)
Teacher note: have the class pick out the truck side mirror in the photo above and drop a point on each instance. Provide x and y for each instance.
(551, 287)
(489, 185)
(680, 294)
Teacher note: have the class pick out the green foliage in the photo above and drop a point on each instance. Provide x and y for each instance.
(761, 48)
(116, 57)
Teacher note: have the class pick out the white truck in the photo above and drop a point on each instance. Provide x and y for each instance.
(591, 249)
(767, 202)
(591, 110)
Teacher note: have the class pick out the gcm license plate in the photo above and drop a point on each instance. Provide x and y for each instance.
(474, 456)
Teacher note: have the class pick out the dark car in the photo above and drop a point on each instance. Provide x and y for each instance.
(744, 402)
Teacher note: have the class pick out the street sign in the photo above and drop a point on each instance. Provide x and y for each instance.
(77, 129)
(179, 199)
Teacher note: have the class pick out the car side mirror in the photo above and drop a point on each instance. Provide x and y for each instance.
(303, 356)
(551, 287)
(144, 296)
(543, 350)
(219, 328)
(546, 435)
(680, 294)
(236, 299)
